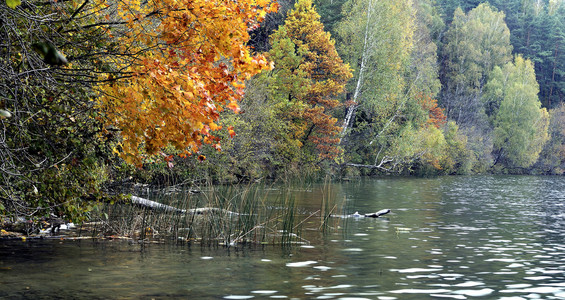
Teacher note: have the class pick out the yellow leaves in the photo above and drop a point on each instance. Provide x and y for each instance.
(214, 127)
(231, 131)
(13, 3)
(179, 86)
(234, 106)
(115, 150)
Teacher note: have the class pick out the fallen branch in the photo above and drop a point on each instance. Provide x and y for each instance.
(203, 210)
(379, 166)
(358, 215)
(155, 205)
(167, 208)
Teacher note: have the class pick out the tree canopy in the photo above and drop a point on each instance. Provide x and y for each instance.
(308, 78)
(475, 43)
(520, 124)
(184, 62)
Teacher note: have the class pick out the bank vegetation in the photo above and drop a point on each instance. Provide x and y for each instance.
(96, 95)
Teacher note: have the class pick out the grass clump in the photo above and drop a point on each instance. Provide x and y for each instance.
(210, 215)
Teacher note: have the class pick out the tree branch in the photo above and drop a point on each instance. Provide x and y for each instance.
(73, 15)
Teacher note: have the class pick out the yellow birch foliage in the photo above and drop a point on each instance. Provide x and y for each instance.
(184, 61)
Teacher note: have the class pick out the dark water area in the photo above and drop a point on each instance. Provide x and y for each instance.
(475, 237)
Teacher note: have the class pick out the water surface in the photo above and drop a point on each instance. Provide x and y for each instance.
(476, 237)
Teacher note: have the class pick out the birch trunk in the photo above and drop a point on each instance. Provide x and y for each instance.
(351, 110)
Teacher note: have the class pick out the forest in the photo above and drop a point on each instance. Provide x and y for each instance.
(95, 94)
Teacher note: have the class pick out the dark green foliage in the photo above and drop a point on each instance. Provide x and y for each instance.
(537, 32)
(449, 6)
(552, 157)
(331, 13)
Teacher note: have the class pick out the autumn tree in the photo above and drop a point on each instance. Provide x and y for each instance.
(475, 43)
(386, 127)
(376, 39)
(260, 147)
(435, 113)
(183, 63)
(520, 124)
(75, 76)
(423, 74)
(308, 78)
(552, 157)
(458, 159)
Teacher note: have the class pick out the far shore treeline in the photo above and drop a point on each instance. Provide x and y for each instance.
(96, 94)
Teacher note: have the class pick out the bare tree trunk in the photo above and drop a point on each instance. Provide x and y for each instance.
(364, 56)
(553, 74)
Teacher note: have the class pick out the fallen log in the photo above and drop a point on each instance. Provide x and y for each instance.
(203, 210)
(167, 208)
(155, 205)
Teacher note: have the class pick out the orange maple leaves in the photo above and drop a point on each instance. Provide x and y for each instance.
(186, 61)
(436, 115)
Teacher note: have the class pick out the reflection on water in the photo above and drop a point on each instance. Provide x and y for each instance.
(450, 237)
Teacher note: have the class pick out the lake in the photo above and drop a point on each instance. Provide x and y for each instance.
(466, 237)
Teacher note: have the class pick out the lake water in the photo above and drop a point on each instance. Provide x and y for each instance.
(477, 237)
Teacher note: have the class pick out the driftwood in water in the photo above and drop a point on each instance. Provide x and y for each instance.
(377, 214)
(358, 215)
(204, 210)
